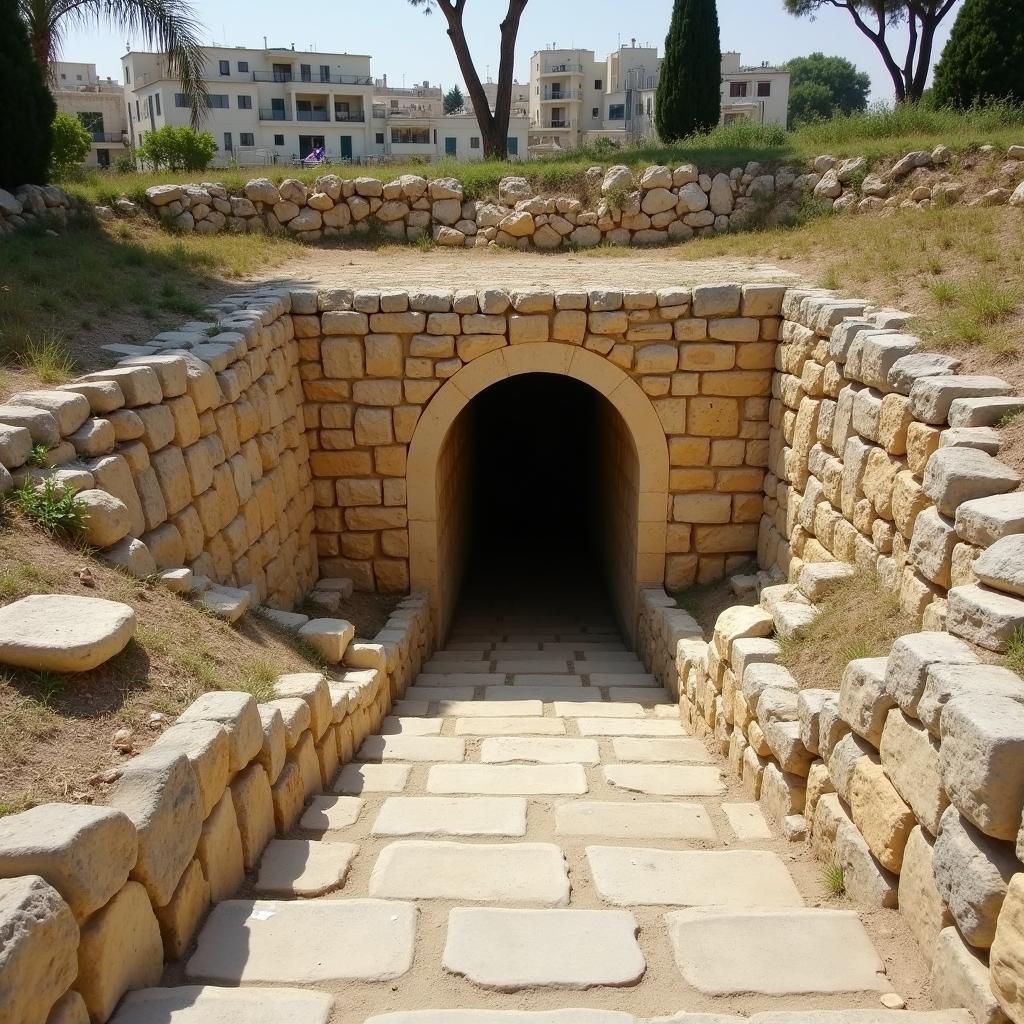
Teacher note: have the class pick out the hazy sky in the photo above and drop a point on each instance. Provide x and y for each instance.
(406, 44)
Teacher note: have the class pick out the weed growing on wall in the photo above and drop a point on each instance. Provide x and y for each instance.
(58, 513)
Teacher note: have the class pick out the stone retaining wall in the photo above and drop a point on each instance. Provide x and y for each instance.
(95, 899)
(36, 204)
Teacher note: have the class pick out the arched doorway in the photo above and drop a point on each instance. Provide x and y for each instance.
(628, 485)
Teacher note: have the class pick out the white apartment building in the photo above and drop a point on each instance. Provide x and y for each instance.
(277, 105)
(97, 102)
(576, 98)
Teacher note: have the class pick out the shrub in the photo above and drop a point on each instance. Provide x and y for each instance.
(178, 149)
(60, 515)
(71, 145)
(28, 106)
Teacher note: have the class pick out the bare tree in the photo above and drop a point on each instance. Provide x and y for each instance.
(874, 18)
(493, 126)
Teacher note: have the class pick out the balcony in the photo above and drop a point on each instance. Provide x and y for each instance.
(273, 114)
(562, 69)
(554, 123)
(550, 93)
(350, 116)
(312, 76)
(312, 115)
(107, 136)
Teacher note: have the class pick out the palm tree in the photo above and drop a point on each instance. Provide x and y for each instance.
(169, 26)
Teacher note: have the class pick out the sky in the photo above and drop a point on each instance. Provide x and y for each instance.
(409, 46)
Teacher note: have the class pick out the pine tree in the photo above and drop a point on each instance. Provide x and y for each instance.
(28, 106)
(984, 57)
(689, 97)
(453, 100)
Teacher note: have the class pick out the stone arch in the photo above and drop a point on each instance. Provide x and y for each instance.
(647, 533)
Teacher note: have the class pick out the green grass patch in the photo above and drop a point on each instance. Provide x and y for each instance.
(833, 878)
(58, 513)
(1014, 656)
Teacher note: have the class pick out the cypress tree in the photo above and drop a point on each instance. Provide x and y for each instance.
(984, 57)
(28, 106)
(689, 97)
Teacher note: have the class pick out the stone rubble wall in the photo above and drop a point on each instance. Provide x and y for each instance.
(656, 206)
(35, 204)
(95, 899)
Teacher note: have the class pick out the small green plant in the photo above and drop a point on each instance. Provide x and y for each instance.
(834, 880)
(38, 456)
(1015, 651)
(943, 292)
(48, 358)
(617, 197)
(58, 513)
(859, 649)
(258, 679)
(424, 242)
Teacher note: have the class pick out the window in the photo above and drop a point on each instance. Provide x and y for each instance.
(227, 141)
(474, 142)
(596, 112)
(649, 105)
(138, 114)
(306, 72)
(598, 84)
(127, 76)
(616, 111)
(180, 99)
(245, 103)
(278, 140)
(218, 100)
(325, 72)
(764, 88)
(157, 97)
(394, 104)
(737, 89)
(246, 139)
(380, 138)
(512, 144)
(225, 67)
(243, 67)
(411, 136)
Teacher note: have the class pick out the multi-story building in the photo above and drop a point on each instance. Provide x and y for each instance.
(577, 99)
(97, 102)
(278, 105)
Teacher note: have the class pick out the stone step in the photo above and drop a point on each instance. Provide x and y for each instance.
(508, 780)
(665, 780)
(355, 778)
(653, 750)
(509, 950)
(545, 679)
(584, 647)
(595, 666)
(499, 1017)
(509, 726)
(330, 813)
(503, 749)
(447, 680)
(597, 709)
(412, 748)
(301, 867)
(620, 820)
(622, 679)
(410, 726)
(211, 1004)
(256, 942)
(454, 668)
(451, 816)
(463, 656)
(747, 821)
(547, 694)
(611, 656)
(777, 953)
(645, 695)
(525, 708)
(476, 873)
(548, 664)
(435, 693)
(629, 876)
(410, 708)
(630, 726)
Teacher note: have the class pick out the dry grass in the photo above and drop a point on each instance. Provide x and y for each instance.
(56, 731)
(861, 619)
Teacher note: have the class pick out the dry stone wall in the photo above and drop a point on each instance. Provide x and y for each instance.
(36, 204)
(95, 899)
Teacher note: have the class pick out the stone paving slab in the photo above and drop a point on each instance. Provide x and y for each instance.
(879, 1016)
(527, 657)
(641, 694)
(545, 665)
(747, 821)
(526, 708)
(459, 679)
(630, 727)
(451, 816)
(211, 1004)
(503, 1017)
(585, 646)
(630, 876)
(509, 726)
(330, 813)
(256, 941)
(770, 952)
(594, 666)
(355, 778)
(302, 867)
(652, 750)
(405, 725)
(435, 693)
(410, 708)
(545, 679)
(454, 668)
(502, 749)
(508, 780)
(412, 748)
(666, 780)
(475, 873)
(511, 950)
(597, 709)
(620, 820)
(463, 656)
(545, 694)
(622, 679)
(610, 656)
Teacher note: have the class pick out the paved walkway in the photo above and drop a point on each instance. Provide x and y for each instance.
(532, 832)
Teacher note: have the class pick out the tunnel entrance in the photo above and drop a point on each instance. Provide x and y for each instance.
(542, 468)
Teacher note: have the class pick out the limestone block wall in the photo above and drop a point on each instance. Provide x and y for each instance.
(95, 899)
(35, 204)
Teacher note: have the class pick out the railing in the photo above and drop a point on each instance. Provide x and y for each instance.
(273, 114)
(312, 76)
(563, 69)
(556, 123)
(560, 94)
(352, 115)
(312, 115)
(107, 136)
